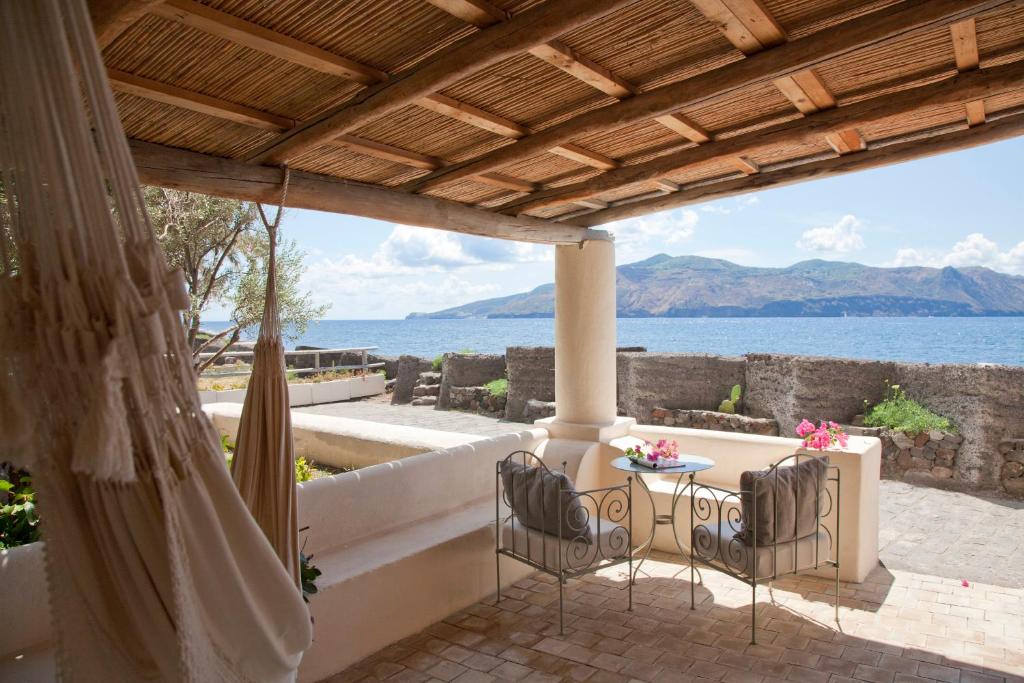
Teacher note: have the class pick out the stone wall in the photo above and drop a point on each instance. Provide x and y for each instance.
(674, 380)
(476, 400)
(301, 361)
(925, 458)
(468, 370)
(531, 375)
(409, 369)
(711, 419)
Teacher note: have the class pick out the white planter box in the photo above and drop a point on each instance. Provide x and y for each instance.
(309, 394)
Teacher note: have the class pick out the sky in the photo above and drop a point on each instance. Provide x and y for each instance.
(959, 209)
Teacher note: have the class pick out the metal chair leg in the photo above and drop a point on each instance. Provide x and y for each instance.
(753, 613)
(692, 590)
(561, 607)
(497, 570)
(837, 595)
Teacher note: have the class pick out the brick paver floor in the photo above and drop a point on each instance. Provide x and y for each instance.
(898, 627)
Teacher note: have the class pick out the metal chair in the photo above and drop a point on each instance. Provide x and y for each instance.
(567, 550)
(730, 543)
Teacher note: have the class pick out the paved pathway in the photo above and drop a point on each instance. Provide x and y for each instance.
(926, 530)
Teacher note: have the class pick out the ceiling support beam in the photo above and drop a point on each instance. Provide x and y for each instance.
(747, 24)
(965, 87)
(193, 172)
(474, 53)
(878, 154)
(869, 30)
(111, 18)
(965, 44)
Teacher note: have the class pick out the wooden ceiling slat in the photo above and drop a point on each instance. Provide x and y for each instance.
(819, 94)
(965, 44)
(745, 23)
(895, 152)
(975, 112)
(872, 29)
(204, 104)
(585, 156)
(568, 60)
(745, 165)
(473, 116)
(111, 18)
(685, 127)
(485, 48)
(964, 87)
(480, 13)
(256, 37)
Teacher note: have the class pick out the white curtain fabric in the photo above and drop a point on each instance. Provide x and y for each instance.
(264, 464)
(157, 571)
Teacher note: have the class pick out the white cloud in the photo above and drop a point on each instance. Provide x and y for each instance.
(841, 237)
(670, 227)
(973, 250)
(725, 208)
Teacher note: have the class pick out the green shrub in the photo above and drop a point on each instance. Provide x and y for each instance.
(19, 523)
(729, 405)
(435, 365)
(303, 470)
(497, 387)
(903, 414)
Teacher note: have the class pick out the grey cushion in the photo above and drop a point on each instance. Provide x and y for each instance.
(610, 542)
(534, 496)
(721, 545)
(793, 515)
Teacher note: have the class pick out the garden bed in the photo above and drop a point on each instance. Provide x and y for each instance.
(308, 391)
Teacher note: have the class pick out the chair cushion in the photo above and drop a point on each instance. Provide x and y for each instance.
(794, 514)
(720, 544)
(539, 498)
(609, 541)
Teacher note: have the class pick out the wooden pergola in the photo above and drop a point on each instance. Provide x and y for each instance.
(536, 120)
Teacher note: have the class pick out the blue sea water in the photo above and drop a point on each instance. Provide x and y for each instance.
(922, 340)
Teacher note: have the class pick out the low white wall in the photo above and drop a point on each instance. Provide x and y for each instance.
(859, 466)
(344, 442)
(310, 393)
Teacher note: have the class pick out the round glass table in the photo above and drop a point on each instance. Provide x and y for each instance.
(688, 465)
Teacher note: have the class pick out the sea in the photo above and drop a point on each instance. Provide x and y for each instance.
(995, 340)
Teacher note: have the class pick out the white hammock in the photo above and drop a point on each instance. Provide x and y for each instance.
(156, 570)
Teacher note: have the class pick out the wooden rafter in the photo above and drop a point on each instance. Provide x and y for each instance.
(480, 13)
(806, 91)
(111, 18)
(747, 24)
(183, 170)
(846, 141)
(965, 44)
(256, 37)
(975, 112)
(568, 60)
(880, 155)
(745, 165)
(474, 53)
(869, 30)
(473, 116)
(969, 86)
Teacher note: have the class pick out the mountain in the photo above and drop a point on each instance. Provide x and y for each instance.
(693, 286)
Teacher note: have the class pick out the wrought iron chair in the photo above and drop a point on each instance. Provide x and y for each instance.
(595, 534)
(730, 543)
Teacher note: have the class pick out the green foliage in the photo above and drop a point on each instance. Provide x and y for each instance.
(303, 470)
(19, 523)
(729, 405)
(308, 574)
(903, 414)
(497, 387)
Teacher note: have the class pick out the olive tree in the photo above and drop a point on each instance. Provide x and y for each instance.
(222, 248)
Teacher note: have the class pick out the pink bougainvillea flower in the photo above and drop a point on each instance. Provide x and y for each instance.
(804, 428)
(963, 582)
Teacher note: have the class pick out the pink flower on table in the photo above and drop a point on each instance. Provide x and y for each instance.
(805, 428)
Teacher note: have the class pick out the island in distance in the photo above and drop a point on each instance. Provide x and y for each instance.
(694, 287)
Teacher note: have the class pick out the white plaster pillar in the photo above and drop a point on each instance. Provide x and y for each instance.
(585, 333)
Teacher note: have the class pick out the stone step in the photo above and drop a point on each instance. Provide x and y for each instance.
(424, 401)
(427, 390)
(430, 378)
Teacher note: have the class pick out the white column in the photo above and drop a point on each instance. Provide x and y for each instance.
(585, 333)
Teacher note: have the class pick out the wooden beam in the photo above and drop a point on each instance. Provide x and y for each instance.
(969, 86)
(685, 127)
(183, 170)
(878, 155)
(806, 91)
(568, 60)
(473, 116)
(585, 157)
(975, 112)
(485, 48)
(256, 37)
(965, 44)
(388, 152)
(506, 182)
(593, 203)
(666, 185)
(873, 29)
(747, 24)
(480, 13)
(111, 18)
(193, 101)
(745, 165)
(846, 141)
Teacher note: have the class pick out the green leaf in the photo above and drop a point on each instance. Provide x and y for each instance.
(5, 485)
(735, 394)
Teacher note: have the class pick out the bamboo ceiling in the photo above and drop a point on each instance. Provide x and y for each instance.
(579, 112)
